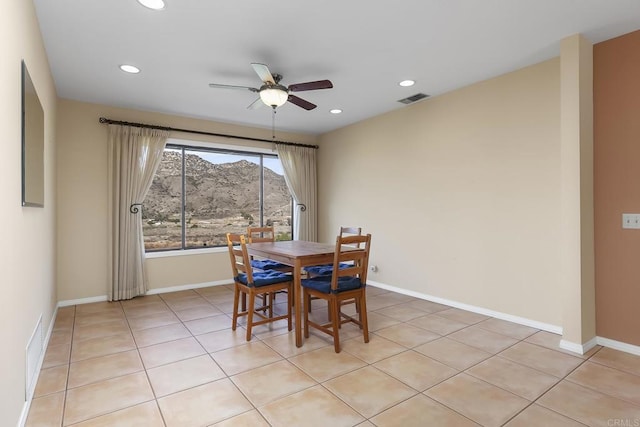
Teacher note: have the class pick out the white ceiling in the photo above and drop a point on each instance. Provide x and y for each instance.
(365, 47)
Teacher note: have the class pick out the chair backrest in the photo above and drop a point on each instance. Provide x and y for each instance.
(351, 231)
(239, 256)
(346, 254)
(260, 234)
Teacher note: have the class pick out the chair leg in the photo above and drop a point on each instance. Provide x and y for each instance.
(305, 309)
(236, 297)
(289, 304)
(252, 302)
(362, 303)
(334, 307)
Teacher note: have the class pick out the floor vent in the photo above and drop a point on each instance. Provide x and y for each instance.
(413, 98)
(34, 351)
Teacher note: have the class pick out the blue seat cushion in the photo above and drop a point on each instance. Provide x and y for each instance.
(323, 283)
(264, 278)
(267, 264)
(324, 270)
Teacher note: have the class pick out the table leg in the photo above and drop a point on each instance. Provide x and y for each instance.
(297, 297)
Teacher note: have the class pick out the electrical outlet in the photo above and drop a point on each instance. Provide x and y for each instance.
(630, 220)
(373, 268)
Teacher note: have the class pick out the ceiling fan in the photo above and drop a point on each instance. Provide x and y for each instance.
(273, 94)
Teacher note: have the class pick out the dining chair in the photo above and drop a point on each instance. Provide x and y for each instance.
(327, 269)
(344, 284)
(265, 234)
(251, 283)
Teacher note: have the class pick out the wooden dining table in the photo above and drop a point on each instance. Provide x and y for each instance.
(297, 254)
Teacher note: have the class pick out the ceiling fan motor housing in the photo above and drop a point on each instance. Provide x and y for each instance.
(274, 87)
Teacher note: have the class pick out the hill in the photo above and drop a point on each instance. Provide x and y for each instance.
(214, 191)
(220, 198)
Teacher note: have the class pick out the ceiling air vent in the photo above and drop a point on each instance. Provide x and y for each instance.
(413, 98)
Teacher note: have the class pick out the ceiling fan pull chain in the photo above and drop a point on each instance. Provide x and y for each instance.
(273, 123)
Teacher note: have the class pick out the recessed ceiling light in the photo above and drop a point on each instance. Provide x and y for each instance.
(152, 4)
(129, 69)
(407, 83)
(335, 111)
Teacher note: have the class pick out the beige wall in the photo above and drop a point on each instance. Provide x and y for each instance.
(617, 178)
(460, 192)
(28, 238)
(82, 196)
(189, 270)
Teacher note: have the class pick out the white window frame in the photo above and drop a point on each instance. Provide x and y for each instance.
(233, 149)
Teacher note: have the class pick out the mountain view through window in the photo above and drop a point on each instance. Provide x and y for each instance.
(198, 195)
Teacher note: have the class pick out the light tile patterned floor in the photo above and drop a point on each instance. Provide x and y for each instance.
(172, 360)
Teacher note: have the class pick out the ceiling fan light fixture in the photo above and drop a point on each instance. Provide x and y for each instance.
(274, 96)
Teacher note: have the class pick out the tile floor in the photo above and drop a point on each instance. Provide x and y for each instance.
(172, 360)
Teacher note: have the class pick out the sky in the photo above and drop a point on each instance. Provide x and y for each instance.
(272, 163)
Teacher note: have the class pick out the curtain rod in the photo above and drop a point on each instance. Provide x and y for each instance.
(199, 132)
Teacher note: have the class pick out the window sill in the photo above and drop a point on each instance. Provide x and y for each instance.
(180, 252)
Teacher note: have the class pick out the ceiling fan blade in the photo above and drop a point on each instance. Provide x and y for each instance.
(256, 104)
(320, 84)
(263, 72)
(215, 85)
(301, 102)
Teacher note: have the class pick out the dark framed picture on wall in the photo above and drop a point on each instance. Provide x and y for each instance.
(32, 143)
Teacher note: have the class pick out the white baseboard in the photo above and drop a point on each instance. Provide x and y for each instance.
(188, 287)
(564, 344)
(155, 291)
(475, 309)
(618, 345)
(578, 348)
(79, 301)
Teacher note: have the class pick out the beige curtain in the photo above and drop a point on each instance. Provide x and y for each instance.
(134, 156)
(299, 164)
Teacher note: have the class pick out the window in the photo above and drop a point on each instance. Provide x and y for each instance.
(198, 195)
